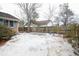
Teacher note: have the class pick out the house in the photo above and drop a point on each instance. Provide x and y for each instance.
(43, 25)
(9, 20)
(39, 23)
(38, 26)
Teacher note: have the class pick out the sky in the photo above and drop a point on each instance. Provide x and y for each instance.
(14, 10)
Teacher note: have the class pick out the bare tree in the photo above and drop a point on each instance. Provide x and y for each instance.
(49, 14)
(29, 10)
(66, 14)
(57, 21)
(21, 16)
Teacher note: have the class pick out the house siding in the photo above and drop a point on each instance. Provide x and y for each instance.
(8, 24)
(9, 20)
(15, 28)
(1, 21)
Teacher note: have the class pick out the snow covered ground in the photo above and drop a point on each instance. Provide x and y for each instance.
(36, 44)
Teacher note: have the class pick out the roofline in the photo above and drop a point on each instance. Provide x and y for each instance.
(11, 19)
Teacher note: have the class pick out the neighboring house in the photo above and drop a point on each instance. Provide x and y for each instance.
(43, 25)
(9, 20)
(38, 26)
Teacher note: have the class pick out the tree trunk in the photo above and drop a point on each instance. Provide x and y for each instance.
(29, 26)
(65, 24)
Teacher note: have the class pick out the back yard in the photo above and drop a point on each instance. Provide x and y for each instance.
(39, 29)
(37, 44)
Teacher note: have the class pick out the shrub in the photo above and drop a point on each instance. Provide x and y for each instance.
(73, 34)
(57, 29)
(71, 31)
(5, 32)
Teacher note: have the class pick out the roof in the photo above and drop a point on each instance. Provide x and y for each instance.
(8, 16)
(43, 22)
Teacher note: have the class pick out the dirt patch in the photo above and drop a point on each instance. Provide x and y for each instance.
(3, 42)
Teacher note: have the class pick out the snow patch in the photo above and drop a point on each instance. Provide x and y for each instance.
(36, 44)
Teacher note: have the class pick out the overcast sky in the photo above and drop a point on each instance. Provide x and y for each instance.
(13, 9)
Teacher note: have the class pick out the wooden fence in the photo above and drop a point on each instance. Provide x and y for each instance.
(35, 29)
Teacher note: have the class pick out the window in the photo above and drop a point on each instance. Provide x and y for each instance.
(1, 21)
(15, 24)
(6, 22)
(11, 24)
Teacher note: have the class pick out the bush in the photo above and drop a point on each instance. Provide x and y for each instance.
(57, 29)
(5, 32)
(73, 34)
(71, 31)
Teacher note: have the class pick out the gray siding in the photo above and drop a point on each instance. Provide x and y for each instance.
(12, 24)
(1, 21)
